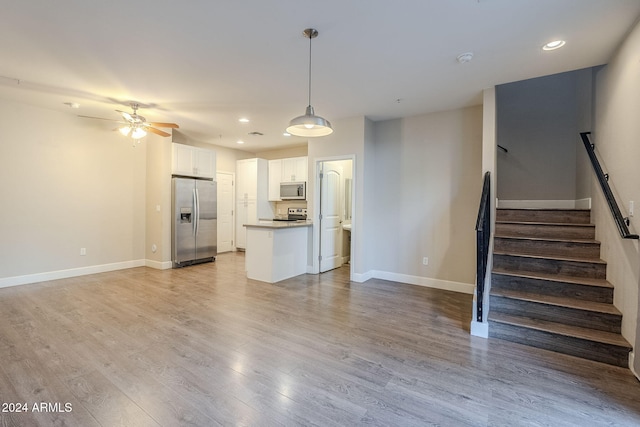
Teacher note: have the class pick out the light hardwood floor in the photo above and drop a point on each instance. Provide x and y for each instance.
(205, 346)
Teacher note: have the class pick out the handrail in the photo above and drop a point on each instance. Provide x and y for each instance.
(483, 234)
(603, 179)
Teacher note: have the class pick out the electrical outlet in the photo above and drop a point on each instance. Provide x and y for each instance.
(425, 261)
(83, 251)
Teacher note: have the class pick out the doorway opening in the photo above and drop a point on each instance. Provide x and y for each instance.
(335, 213)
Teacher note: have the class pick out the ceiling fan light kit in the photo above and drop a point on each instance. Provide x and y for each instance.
(309, 125)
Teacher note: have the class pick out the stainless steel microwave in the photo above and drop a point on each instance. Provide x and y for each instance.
(293, 190)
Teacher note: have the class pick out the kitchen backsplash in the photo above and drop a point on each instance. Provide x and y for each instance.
(283, 207)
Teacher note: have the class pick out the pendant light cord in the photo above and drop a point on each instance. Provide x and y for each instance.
(310, 37)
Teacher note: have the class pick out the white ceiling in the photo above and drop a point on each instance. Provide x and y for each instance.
(206, 63)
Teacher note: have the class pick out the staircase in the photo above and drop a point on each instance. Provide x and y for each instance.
(549, 287)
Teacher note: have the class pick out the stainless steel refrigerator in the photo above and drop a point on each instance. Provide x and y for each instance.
(195, 221)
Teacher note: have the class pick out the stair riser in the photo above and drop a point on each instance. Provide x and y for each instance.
(559, 289)
(568, 316)
(555, 215)
(548, 248)
(549, 266)
(546, 231)
(605, 353)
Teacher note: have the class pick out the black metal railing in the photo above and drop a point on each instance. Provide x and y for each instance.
(603, 179)
(483, 236)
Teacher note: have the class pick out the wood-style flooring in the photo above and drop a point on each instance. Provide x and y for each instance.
(204, 346)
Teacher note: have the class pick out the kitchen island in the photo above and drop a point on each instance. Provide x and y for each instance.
(277, 250)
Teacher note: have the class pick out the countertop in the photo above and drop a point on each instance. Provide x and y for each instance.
(267, 223)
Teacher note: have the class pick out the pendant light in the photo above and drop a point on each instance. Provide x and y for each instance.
(309, 125)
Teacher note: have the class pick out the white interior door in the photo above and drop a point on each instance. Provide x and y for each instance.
(331, 217)
(225, 211)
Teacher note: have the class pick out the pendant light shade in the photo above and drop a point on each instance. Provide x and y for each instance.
(309, 125)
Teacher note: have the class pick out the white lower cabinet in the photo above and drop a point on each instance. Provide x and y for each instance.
(275, 254)
(246, 213)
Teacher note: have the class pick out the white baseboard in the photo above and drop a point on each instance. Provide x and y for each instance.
(72, 272)
(583, 203)
(362, 277)
(479, 329)
(545, 204)
(466, 288)
(632, 358)
(158, 265)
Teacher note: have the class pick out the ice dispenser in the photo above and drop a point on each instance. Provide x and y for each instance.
(185, 215)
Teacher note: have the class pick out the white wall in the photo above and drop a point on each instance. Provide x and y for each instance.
(158, 223)
(283, 153)
(616, 137)
(426, 190)
(67, 183)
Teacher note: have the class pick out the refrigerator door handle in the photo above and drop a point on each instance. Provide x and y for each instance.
(197, 211)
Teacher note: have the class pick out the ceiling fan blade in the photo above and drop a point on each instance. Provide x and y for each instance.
(163, 125)
(126, 115)
(156, 131)
(98, 118)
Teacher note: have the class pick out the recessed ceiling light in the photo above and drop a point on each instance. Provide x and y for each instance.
(286, 134)
(556, 44)
(243, 120)
(240, 141)
(72, 104)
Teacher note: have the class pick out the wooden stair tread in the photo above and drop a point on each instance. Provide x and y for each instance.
(546, 239)
(545, 209)
(558, 301)
(561, 329)
(562, 224)
(556, 278)
(551, 257)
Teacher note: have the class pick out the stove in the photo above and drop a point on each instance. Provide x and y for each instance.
(294, 214)
(298, 214)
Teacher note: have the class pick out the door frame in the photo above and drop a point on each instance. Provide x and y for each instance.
(315, 246)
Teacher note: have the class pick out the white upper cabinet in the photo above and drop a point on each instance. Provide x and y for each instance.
(187, 160)
(293, 169)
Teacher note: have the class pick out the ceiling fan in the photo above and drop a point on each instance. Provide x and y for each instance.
(136, 126)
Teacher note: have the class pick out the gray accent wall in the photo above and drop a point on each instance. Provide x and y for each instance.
(539, 122)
